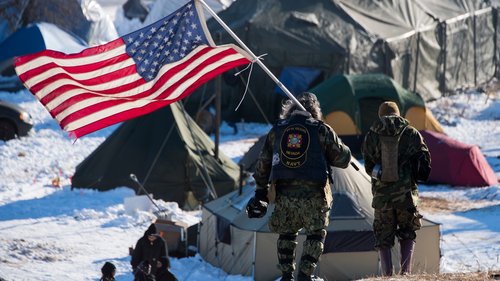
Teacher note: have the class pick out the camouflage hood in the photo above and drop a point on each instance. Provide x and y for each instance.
(390, 125)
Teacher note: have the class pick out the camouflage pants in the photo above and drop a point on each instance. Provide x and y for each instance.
(292, 214)
(392, 222)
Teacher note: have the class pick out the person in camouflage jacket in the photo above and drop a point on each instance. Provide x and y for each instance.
(396, 157)
(296, 160)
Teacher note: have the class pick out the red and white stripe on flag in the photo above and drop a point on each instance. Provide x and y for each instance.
(101, 86)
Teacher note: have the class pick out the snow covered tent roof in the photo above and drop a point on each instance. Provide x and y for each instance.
(239, 245)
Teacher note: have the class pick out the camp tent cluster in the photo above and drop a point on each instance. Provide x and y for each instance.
(425, 46)
(430, 47)
(239, 245)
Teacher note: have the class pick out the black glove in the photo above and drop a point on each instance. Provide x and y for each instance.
(257, 205)
(421, 167)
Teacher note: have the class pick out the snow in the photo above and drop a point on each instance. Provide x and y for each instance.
(55, 233)
(44, 229)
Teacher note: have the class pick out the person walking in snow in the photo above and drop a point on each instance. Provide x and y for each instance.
(296, 159)
(148, 252)
(396, 157)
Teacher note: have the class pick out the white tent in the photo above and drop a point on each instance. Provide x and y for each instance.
(238, 245)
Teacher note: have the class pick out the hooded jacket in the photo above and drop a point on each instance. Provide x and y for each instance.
(146, 250)
(401, 193)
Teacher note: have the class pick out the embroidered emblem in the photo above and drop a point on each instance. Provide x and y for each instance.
(294, 140)
(293, 146)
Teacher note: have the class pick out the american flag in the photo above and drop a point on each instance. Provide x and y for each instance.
(130, 76)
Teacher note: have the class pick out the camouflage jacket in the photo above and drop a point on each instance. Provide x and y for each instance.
(402, 193)
(336, 153)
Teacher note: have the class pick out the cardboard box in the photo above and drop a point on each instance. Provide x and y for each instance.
(175, 235)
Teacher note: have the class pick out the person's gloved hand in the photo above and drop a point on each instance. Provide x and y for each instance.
(421, 168)
(257, 205)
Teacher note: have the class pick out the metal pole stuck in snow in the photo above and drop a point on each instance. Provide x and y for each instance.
(134, 178)
(255, 58)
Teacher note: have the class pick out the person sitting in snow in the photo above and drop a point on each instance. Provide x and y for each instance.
(149, 249)
(108, 271)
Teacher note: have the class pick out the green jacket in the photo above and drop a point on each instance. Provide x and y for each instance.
(402, 193)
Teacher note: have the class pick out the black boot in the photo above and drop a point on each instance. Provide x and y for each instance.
(407, 247)
(385, 261)
(287, 276)
(304, 277)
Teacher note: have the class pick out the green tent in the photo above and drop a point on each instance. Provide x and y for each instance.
(169, 154)
(350, 105)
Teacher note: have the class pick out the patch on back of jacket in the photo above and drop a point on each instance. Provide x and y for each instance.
(294, 145)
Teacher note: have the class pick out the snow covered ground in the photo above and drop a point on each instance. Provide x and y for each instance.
(54, 233)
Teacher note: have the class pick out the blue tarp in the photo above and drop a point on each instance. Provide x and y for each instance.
(297, 79)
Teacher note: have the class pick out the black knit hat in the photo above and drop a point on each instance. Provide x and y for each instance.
(151, 230)
(108, 268)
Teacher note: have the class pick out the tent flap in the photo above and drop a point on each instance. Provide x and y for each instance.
(349, 241)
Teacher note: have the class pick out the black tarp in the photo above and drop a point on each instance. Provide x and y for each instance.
(430, 47)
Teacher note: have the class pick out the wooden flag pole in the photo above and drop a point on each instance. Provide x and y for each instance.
(255, 58)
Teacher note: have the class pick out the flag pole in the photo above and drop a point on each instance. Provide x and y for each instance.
(255, 58)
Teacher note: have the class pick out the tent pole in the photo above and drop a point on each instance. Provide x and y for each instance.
(218, 113)
(474, 36)
(134, 178)
(417, 55)
(254, 254)
(218, 87)
(255, 58)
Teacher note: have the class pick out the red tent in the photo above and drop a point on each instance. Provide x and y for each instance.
(457, 163)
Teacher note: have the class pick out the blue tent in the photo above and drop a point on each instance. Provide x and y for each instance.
(26, 40)
(31, 39)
